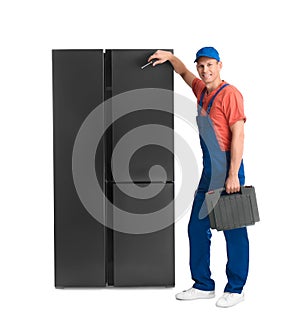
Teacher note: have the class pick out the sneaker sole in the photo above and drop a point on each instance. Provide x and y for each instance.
(225, 307)
(196, 298)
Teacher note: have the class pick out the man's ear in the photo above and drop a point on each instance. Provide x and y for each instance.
(220, 65)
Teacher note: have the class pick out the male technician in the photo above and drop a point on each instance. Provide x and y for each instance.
(220, 121)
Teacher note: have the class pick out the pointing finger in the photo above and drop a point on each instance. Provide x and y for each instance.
(152, 57)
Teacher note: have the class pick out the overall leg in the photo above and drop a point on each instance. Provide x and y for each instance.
(199, 237)
(238, 259)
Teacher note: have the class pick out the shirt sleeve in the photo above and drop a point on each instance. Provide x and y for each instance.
(197, 87)
(233, 106)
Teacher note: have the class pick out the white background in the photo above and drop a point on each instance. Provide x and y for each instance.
(259, 44)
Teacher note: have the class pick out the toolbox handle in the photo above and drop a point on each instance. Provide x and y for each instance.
(223, 191)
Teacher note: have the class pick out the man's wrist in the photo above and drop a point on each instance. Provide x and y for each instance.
(171, 58)
(233, 173)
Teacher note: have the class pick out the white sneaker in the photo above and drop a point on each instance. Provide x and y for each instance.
(230, 299)
(194, 294)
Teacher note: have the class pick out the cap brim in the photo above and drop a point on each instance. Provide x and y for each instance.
(207, 57)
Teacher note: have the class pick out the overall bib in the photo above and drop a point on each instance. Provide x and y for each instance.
(215, 171)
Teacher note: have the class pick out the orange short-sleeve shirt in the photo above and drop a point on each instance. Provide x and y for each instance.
(227, 109)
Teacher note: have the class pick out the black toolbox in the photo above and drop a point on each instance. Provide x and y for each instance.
(230, 211)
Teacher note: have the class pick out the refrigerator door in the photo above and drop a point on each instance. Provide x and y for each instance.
(145, 259)
(127, 73)
(141, 120)
(79, 238)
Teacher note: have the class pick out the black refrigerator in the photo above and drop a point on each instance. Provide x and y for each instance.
(113, 148)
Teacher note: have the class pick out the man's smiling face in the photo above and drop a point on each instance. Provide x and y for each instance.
(208, 69)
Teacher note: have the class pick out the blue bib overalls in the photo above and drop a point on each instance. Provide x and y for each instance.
(215, 170)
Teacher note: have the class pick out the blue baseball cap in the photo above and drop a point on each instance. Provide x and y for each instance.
(210, 52)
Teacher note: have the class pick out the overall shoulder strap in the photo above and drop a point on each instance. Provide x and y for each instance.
(213, 98)
(202, 97)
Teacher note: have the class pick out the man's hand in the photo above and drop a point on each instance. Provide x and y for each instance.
(232, 184)
(161, 56)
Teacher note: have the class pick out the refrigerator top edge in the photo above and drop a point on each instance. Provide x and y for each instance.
(137, 49)
(101, 50)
